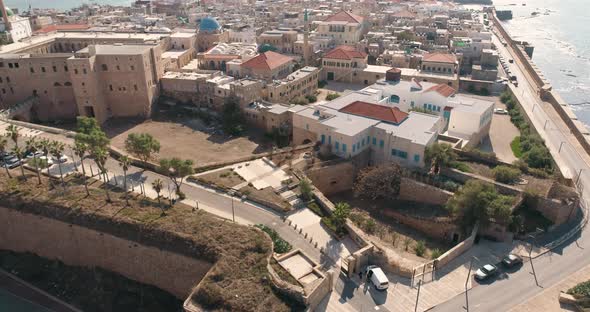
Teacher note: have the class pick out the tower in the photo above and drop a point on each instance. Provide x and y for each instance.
(306, 51)
(5, 16)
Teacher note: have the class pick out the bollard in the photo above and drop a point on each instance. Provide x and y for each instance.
(311, 239)
(295, 226)
(322, 250)
(300, 230)
(316, 244)
(290, 222)
(305, 235)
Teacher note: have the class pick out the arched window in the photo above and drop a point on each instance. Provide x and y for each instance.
(57, 84)
(68, 84)
(211, 64)
(394, 98)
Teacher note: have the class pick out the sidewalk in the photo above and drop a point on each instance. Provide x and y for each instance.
(547, 301)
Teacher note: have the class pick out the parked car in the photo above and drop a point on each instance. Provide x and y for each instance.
(36, 154)
(511, 261)
(377, 277)
(500, 111)
(12, 163)
(486, 272)
(62, 159)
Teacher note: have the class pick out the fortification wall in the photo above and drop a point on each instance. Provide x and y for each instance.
(80, 246)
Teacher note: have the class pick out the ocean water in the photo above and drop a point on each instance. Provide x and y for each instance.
(59, 4)
(560, 32)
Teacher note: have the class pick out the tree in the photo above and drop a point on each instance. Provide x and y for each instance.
(20, 154)
(13, 133)
(124, 162)
(158, 185)
(80, 148)
(176, 169)
(142, 146)
(90, 133)
(33, 147)
(232, 118)
(57, 150)
(506, 174)
(305, 189)
(478, 201)
(381, 182)
(438, 156)
(3, 145)
(340, 214)
(100, 157)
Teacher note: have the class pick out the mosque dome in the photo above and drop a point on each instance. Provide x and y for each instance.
(209, 24)
(8, 11)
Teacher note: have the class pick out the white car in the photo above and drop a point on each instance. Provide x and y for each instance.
(377, 277)
(62, 159)
(500, 111)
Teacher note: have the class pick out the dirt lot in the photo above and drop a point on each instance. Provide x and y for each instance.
(188, 138)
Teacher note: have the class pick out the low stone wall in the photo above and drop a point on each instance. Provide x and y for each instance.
(437, 228)
(69, 134)
(412, 190)
(456, 251)
(80, 246)
(465, 176)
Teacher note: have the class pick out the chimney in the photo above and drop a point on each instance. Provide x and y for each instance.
(5, 16)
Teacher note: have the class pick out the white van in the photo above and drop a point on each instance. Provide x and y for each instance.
(377, 277)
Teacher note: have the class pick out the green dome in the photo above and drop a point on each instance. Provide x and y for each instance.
(9, 12)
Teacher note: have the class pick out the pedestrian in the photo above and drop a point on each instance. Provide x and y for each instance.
(361, 275)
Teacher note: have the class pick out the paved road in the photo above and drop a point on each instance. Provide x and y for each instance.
(501, 295)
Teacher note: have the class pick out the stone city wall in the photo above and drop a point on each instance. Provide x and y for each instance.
(438, 228)
(80, 246)
(412, 190)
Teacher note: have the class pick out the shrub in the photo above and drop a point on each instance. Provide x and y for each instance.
(315, 208)
(332, 96)
(515, 146)
(435, 253)
(505, 97)
(506, 174)
(581, 290)
(322, 83)
(311, 98)
(461, 166)
(305, 189)
(370, 226)
(420, 248)
(280, 245)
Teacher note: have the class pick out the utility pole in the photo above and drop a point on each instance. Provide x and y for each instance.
(467, 283)
(531, 258)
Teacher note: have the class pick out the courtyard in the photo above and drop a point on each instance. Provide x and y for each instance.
(191, 138)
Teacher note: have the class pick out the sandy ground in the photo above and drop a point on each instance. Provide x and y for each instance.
(502, 132)
(187, 138)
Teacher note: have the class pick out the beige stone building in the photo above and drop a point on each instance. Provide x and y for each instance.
(300, 83)
(342, 28)
(84, 73)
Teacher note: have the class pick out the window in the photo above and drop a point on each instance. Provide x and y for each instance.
(394, 98)
(381, 143)
(55, 69)
(374, 141)
(65, 68)
(424, 105)
(336, 145)
(118, 67)
(368, 140)
(329, 139)
(1, 80)
(32, 70)
(84, 71)
(344, 147)
(1, 64)
(42, 68)
(354, 148)
(363, 141)
(111, 87)
(7, 79)
(306, 126)
(16, 65)
(104, 67)
(135, 87)
(132, 67)
(323, 139)
(438, 108)
(393, 152)
(402, 154)
(69, 84)
(412, 104)
(75, 71)
(358, 145)
(416, 158)
(10, 65)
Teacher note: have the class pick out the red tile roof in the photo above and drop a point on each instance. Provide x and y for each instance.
(442, 89)
(344, 53)
(440, 58)
(344, 16)
(267, 60)
(63, 27)
(375, 111)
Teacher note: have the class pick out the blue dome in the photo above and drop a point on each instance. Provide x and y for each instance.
(209, 24)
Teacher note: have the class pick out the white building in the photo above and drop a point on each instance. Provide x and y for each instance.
(14, 27)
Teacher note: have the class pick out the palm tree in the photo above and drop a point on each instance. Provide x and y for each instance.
(158, 185)
(438, 156)
(33, 147)
(3, 144)
(80, 149)
(100, 156)
(57, 150)
(124, 162)
(12, 132)
(20, 154)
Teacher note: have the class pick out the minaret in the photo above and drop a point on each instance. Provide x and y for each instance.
(305, 39)
(5, 16)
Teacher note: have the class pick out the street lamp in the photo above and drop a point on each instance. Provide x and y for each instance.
(233, 214)
(467, 282)
(534, 237)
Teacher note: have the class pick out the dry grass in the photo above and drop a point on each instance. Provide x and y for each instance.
(226, 178)
(238, 280)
